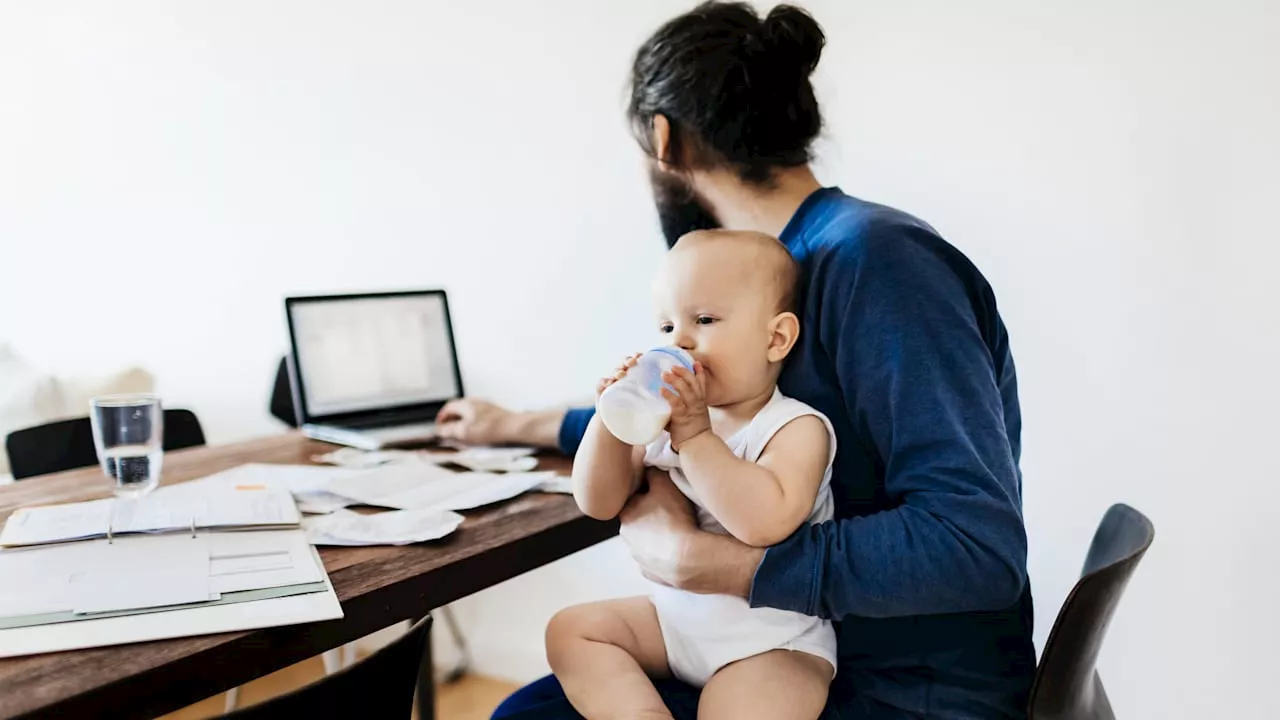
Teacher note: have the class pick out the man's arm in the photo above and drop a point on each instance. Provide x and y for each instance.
(478, 422)
(918, 379)
(571, 427)
(760, 503)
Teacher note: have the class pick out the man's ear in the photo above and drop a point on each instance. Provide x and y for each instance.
(784, 331)
(662, 141)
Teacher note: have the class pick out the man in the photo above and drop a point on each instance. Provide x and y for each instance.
(902, 347)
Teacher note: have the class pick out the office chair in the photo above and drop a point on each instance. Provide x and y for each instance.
(281, 405)
(68, 444)
(379, 686)
(1067, 685)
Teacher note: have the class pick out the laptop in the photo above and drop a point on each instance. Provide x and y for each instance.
(372, 370)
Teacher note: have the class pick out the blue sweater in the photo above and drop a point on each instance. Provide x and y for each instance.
(924, 567)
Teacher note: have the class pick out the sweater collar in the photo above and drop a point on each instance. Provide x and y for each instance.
(793, 233)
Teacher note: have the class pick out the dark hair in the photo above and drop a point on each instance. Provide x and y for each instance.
(734, 87)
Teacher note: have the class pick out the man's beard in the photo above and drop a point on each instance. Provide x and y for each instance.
(679, 209)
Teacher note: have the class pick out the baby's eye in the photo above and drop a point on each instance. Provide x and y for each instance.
(665, 328)
(705, 320)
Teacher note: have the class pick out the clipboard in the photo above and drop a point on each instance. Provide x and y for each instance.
(242, 610)
(141, 574)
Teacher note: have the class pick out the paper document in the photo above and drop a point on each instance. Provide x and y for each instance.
(479, 458)
(353, 458)
(488, 459)
(397, 527)
(264, 559)
(219, 507)
(37, 580)
(562, 484)
(56, 522)
(307, 483)
(391, 486)
(143, 572)
(294, 478)
(412, 486)
(97, 576)
(166, 509)
(320, 502)
(486, 488)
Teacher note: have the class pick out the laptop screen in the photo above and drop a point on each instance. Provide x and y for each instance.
(374, 352)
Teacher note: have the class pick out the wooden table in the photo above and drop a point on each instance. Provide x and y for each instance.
(378, 587)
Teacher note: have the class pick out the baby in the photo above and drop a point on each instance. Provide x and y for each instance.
(756, 465)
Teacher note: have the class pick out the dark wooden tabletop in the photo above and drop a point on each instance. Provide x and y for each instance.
(378, 587)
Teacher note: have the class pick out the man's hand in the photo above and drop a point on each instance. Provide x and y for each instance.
(479, 422)
(475, 422)
(689, 414)
(662, 533)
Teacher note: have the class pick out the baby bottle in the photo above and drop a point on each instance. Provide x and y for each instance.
(633, 408)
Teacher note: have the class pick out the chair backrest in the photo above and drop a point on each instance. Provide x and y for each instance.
(1067, 686)
(282, 396)
(381, 685)
(68, 444)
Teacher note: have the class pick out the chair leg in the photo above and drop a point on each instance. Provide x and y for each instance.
(233, 698)
(425, 699)
(332, 660)
(459, 641)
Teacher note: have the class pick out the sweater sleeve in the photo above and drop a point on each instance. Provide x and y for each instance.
(573, 427)
(918, 381)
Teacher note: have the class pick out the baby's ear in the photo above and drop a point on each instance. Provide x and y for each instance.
(784, 331)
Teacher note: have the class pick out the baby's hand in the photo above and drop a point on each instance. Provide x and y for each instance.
(689, 415)
(621, 372)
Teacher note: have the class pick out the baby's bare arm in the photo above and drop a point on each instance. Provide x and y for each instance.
(760, 503)
(606, 472)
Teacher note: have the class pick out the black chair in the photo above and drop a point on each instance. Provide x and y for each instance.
(1067, 686)
(68, 444)
(380, 686)
(281, 405)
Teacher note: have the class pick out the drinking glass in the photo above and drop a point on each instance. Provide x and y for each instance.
(128, 433)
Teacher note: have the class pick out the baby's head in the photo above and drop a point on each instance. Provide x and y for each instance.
(727, 297)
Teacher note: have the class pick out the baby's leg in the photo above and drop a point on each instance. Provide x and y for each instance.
(604, 654)
(773, 685)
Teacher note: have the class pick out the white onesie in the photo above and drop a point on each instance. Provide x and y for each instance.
(703, 633)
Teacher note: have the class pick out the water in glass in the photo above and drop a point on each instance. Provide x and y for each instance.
(128, 432)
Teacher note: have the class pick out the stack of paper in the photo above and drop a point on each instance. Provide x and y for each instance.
(397, 527)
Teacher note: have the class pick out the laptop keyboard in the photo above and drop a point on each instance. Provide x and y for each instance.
(397, 432)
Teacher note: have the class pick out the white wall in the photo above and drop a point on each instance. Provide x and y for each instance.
(168, 171)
